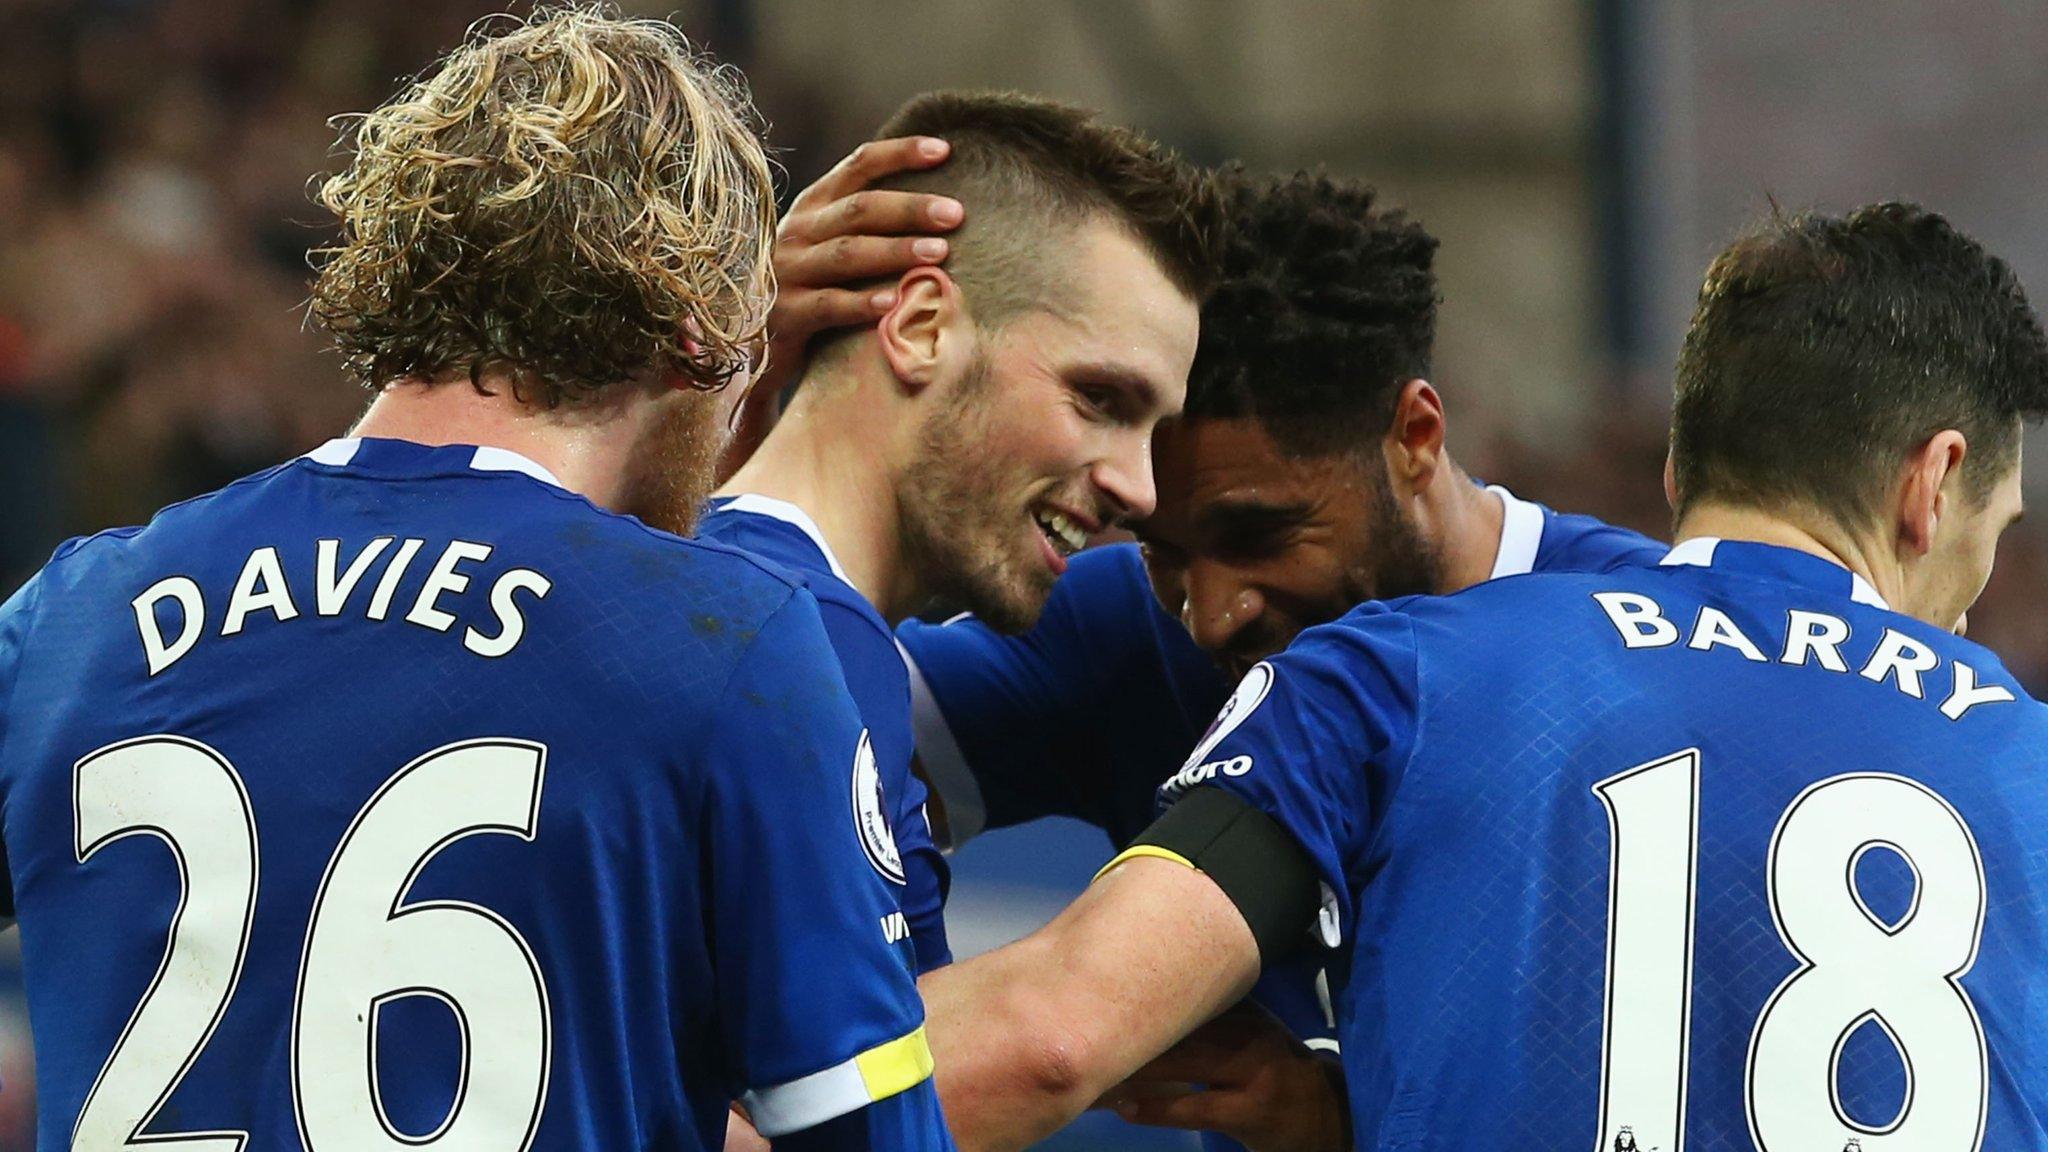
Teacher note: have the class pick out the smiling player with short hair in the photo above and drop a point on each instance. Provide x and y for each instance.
(959, 448)
(1739, 847)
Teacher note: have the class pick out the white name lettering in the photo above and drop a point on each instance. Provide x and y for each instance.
(1639, 620)
(1966, 695)
(1811, 633)
(329, 594)
(1903, 658)
(511, 624)
(1714, 629)
(445, 578)
(260, 588)
(1811, 640)
(380, 600)
(178, 605)
(185, 591)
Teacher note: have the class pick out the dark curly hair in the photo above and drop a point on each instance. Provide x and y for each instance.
(1825, 347)
(1326, 307)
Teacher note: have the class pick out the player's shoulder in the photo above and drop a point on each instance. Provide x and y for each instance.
(1575, 542)
(784, 539)
(76, 561)
(1535, 537)
(625, 574)
(1770, 609)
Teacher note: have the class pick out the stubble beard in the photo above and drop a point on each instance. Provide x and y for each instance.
(1403, 561)
(672, 471)
(959, 536)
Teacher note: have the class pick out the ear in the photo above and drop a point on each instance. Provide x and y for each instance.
(1415, 441)
(1922, 498)
(924, 329)
(1671, 482)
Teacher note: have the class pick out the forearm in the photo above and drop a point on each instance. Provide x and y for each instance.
(1029, 1036)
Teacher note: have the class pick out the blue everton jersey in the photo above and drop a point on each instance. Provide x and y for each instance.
(397, 795)
(1087, 712)
(899, 831)
(1719, 854)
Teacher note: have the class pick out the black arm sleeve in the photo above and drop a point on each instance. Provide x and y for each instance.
(1257, 863)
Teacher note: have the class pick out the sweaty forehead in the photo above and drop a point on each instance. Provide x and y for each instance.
(1113, 303)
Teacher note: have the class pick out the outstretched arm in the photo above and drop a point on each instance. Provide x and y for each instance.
(1173, 932)
(1029, 1036)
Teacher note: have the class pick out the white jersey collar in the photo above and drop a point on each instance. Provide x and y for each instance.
(342, 449)
(1521, 532)
(1698, 552)
(789, 514)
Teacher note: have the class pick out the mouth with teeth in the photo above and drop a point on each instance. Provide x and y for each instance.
(1063, 537)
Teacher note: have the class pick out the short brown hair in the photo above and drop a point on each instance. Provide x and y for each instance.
(568, 198)
(1024, 165)
(1826, 347)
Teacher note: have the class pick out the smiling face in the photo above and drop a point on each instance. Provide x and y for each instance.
(1043, 434)
(1250, 545)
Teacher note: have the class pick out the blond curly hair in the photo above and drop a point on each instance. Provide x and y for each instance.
(568, 199)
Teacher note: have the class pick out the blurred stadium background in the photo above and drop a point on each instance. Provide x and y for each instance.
(1580, 159)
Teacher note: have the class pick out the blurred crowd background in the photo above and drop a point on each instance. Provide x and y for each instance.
(1580, 159)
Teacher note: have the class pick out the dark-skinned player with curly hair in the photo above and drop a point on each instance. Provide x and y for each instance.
(1308, 473)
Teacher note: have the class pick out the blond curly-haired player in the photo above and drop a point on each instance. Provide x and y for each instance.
(408, 794)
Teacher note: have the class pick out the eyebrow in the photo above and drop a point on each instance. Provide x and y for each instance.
(1249, 511)
(1118, 376)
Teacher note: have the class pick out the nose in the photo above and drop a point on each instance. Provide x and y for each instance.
(1220, 606)
(1125, 478)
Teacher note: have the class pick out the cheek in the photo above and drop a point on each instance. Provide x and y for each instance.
(1307, 577)
(1052, 441)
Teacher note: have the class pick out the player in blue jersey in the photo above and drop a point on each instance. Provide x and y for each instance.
(1316, 344)
(408, 795)
(1744, 848)
(959, 448)
(1308, 473)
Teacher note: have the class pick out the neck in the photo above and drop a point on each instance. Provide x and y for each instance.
(1817, 538)
(1467, 519)
(830, 456)
(587, 446)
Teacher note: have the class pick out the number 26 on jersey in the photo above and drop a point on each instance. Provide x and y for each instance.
(364, 946)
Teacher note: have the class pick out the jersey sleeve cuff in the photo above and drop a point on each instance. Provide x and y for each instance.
(874, 1075)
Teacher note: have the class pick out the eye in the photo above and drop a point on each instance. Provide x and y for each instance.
(1100, 400)
(1252, 541)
